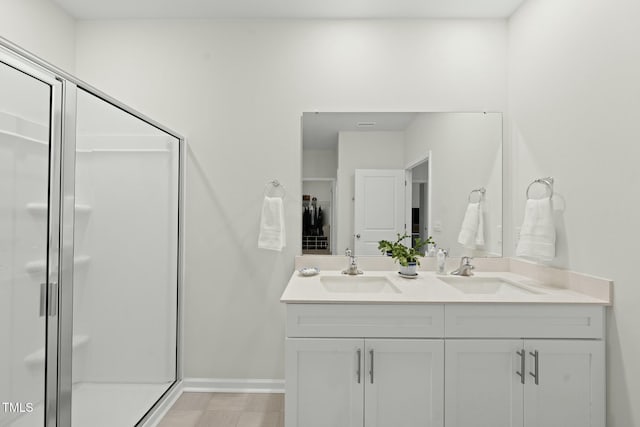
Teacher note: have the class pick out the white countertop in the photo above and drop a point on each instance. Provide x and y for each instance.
(428, 288)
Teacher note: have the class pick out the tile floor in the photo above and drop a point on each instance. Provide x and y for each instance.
(226, 410)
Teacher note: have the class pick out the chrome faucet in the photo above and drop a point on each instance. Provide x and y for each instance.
(352, 269)
(465, 267)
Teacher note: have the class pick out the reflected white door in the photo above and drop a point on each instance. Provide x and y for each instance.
(379, 208)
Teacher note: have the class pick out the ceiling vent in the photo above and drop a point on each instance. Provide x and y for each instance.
(366, 124)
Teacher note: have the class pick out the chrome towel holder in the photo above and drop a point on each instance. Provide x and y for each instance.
(274, 185)
(480, 190)
(548, 181)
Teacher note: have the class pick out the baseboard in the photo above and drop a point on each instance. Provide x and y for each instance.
(229, 385)
(156, 415)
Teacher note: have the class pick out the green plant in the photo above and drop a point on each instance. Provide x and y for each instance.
(401, 253)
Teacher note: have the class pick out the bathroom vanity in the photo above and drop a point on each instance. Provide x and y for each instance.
(495, 349)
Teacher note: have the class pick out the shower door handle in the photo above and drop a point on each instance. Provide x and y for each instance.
(43, 299)
(53, 299)
(48, 300)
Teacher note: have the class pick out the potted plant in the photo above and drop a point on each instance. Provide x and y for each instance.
(407, 257)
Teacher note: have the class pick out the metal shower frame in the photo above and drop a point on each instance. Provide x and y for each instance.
(60, 245)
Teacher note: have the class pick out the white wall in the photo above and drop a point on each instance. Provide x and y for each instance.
(574, 68)
(415, 195)
(466, 154)
(319, 163)
(361, 150)
(42, 28)
(237, 91)
(318, 189)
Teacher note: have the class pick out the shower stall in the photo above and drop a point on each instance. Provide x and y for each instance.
(90, 249)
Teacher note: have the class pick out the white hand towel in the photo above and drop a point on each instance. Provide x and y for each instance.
(480, 233)
(272, 233)
(538, 232)
(472, 229)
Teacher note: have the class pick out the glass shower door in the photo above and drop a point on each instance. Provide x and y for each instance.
(89, 245)
(126, 259)
(28, 255)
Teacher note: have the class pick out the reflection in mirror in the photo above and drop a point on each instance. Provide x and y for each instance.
(420, 204)
(368, 176)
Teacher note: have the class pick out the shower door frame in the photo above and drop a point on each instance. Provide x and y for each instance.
(54, 227)
(60, 247)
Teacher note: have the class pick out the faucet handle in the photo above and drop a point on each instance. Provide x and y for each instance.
(466, 260)
(348, 252)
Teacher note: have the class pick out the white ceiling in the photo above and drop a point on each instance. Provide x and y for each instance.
(288, 9)
(320, 130)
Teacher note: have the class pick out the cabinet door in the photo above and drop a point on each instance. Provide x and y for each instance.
(570, 389)
(482, 387)
(324, 382)
(404, 383)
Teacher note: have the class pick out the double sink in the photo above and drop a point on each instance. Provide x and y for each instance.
(473, 285)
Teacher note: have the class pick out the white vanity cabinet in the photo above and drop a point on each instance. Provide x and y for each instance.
(324, 381)
(403, 383)
(482, 388)
(370, 382)
(365, 381)
(571, 384)
(445, 365)
(524, 382)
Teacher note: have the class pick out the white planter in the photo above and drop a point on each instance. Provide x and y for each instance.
(409, 270)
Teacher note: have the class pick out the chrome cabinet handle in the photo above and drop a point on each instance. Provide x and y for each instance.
(371, 370)
(359, 355)
(535, 373)
(521, 373)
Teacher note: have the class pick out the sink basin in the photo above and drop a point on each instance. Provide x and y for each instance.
(487, 286)
(359, 284)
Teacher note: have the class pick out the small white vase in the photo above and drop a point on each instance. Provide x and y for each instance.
(409, 270)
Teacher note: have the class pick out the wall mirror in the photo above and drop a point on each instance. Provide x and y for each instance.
(368, 176)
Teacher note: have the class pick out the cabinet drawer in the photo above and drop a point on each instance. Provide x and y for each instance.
(365, 320)
(523, 321)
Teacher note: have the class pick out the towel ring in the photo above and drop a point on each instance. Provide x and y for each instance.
(480, 190)
(274, 185)
(548, 181)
